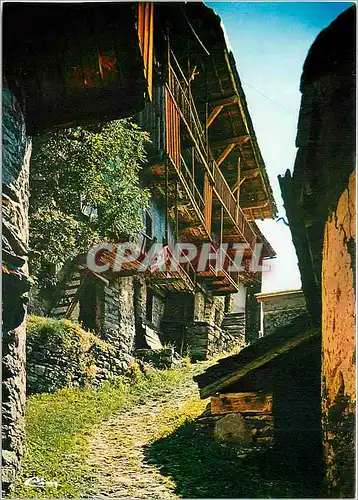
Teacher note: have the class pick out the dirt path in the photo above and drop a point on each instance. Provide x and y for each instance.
(118, 446)
(154, 450)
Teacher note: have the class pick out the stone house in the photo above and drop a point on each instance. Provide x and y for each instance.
(320, 204)
(208, 184)
(279, 308)
(167, 64)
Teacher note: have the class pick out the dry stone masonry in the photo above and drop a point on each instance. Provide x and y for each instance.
(16, 156)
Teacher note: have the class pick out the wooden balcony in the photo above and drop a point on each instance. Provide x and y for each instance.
(199, 198)
(235, 226)
(180, 279)
(220, 281)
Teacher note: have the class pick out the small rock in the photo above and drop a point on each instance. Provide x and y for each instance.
(232, 427)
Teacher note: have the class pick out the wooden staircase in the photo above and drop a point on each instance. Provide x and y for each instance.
(66, 296)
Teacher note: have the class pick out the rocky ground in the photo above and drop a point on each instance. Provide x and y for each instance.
(119, 456)
(156, 450)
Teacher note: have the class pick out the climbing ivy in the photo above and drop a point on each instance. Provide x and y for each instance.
(85, 188)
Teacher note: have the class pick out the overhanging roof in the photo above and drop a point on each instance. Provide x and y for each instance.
(267, 349)
(198, 32)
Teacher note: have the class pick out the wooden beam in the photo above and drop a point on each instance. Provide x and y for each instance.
(225, 154)
(248, 174)
(254, 204)
(239, 139)
(225, 101)
(241, 402)
(215, 112)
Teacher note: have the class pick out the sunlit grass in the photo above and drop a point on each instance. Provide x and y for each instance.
(58, 425)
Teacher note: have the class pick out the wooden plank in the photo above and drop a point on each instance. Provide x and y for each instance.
(241, 402)
(233, 377)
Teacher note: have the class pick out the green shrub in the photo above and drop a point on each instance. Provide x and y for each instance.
(60, 354)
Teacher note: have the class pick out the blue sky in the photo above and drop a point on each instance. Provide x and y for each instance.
(270, 41)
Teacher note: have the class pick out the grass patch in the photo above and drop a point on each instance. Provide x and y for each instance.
(58, 425)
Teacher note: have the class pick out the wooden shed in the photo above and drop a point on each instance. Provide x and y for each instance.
(275, 385)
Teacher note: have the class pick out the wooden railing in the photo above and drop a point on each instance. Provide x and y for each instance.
(180, 92)
(191, 186)
(229, 202)
(179, 88)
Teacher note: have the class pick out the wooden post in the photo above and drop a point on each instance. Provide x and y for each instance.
(238, 187)
(207, 129)
(166, 201)
(176, 213)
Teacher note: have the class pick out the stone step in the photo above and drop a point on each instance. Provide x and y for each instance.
(233, 328)
(233, 320)
(57, 311)
(232, 323)
(234, 316)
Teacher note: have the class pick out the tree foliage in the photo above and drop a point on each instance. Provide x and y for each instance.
(85, 188)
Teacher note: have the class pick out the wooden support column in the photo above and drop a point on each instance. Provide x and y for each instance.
(208, 202)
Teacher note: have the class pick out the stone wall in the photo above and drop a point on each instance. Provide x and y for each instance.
(204, 340)
(280, 308)
(338, 342)
(15, 165)
(192, 323)
(59, 353)
(320, 206)
(253, 310)
(119, 327)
